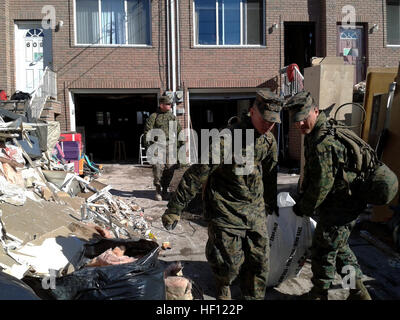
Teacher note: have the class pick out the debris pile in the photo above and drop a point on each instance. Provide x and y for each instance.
(37, 162)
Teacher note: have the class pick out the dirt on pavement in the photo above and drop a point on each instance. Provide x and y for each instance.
(188, 240)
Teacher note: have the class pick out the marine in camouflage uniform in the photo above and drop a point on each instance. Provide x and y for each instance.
(163, 173)
(325, 192)
(236, 206)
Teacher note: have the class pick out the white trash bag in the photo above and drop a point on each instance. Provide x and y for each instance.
(290, 239)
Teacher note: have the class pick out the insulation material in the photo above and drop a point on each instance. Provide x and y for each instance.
(53, 134)
(13, 152)
(52, 254)
(12, 175)
(178, 288)
(31, 178)
(111, 257)
(11, 193)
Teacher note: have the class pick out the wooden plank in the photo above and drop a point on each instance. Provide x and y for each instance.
(378, 81)
(390, 154)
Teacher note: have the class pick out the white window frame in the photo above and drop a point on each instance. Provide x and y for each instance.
(386, 40)
(242, 23)
(126, 30)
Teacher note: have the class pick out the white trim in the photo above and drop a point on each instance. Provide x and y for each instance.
(393, 45)
(222, 90)
(195, 40)
(16, 53)
(242, 27)
(74, 19)
(99, 45)
(126, 21)
(251, 46)
(188, 122)
(72, 116)
(115, 91)
(216, 23)
(100, 29)
(242, 21)
(173, 50)
(92, 45)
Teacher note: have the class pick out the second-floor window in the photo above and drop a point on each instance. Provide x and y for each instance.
(109, 22)
(393, 22)
(229, 22)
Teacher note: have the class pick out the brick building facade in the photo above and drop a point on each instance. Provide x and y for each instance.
(217, 80)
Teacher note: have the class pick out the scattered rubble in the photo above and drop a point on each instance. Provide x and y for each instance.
(36, 164)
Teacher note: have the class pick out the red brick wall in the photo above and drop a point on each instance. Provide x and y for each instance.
(239, 67)
(127, 67)
(368, 12)
(245, 67)
(98, 67)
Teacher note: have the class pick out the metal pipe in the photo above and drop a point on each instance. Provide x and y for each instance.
(168, 47)
(178, 40)
(173, 52)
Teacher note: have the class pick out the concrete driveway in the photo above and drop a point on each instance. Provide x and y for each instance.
(188, 240)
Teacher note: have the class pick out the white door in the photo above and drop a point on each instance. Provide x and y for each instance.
(29, 42)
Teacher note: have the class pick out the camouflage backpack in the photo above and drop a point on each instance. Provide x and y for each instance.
(375, 182)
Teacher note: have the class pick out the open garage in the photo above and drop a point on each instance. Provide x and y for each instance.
(111, 124)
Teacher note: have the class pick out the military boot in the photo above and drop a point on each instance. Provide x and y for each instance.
(223, 292)
(315, 294)
(359, 293)
(158, 196)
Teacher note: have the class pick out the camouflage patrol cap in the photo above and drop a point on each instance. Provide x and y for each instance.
(300, 105)
(164, 99)
(269, 104)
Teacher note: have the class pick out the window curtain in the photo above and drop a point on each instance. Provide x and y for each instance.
(254, 22)
(229, 22)
(113, 22)
(138, 21)
(87, 21)
(206, 22)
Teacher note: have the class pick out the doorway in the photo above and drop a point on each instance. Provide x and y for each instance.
(299, 43)
(351, 45)
(33, 53)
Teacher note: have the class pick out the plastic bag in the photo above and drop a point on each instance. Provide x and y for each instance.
(12, 288)
(139, 280)
(290, 238)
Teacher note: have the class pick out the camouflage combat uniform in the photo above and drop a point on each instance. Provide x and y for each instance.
(326, 192)
(236, 208)
(162, 173)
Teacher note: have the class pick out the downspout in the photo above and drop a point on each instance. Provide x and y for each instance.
(168, 48)
(173, 52)
(178, 46)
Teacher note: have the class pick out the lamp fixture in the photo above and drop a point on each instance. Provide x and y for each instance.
(374, 28)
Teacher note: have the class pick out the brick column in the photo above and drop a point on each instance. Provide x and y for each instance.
(330, 27)
(5, 59)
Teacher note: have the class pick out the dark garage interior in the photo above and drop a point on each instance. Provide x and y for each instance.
(112, 124)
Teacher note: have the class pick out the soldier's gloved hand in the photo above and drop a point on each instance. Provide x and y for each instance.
(170, 220)
(297, 211)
